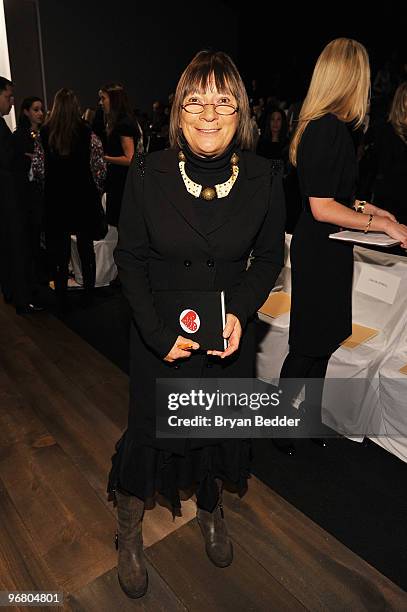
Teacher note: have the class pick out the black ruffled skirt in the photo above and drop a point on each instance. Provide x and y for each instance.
(148, 473)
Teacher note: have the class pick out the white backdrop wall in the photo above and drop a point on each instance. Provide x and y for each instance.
(5, 61)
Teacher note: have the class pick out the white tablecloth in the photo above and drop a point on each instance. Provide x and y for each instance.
(106, 269)
(375, 399)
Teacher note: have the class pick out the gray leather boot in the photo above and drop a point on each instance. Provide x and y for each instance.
(218, 545)
(132, 572)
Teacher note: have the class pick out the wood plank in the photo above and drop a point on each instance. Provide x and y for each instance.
(80, 360)
(104, 595)
(58, 424)
(111, 398)
(317, 569)
(158, 522)
(84, 432)
(245, 585)
(21, 565)
(17, 421)
(102, 382)
(70, 526)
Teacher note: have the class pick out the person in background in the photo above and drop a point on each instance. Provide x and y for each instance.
(68, 159)
(192, 217)
(30, 120)
(89, 116)
(8, 196)
(98, 124)
(14, 243)
(158, 127)
(122, 135)
(383, 168)
(273, 144)
(323, 152)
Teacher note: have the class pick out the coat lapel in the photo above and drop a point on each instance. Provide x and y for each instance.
(170, 182)
(250, 179)
(169, 179)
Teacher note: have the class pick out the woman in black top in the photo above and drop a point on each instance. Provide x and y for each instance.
(273, 144)
(121, 134)
(383, 170)
(28, 127)
(30, 208)
(322, 268)
(191, 220)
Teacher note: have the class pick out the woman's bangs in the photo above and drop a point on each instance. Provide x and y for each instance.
(209, 78)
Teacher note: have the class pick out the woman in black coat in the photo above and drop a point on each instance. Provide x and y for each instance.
(176, 235)
(322, 150)
(68, 159)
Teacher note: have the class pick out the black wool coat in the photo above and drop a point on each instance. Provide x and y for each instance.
(161, 246)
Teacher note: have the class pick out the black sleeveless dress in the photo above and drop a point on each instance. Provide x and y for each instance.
(116, 175)
(322, 268)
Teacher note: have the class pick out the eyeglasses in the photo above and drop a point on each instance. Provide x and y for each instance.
(220, 109)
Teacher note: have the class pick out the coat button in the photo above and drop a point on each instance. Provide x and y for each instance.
(210, 263)
(187, 263)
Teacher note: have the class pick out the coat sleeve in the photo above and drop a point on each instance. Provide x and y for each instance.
(7, 147)
(266, 260)
(132, 259)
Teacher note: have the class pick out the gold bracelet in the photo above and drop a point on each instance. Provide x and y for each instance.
(360, 206)
(368, 224)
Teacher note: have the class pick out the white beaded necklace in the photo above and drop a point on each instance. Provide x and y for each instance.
(209, 193)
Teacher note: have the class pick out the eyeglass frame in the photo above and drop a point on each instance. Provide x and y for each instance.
(235, 109)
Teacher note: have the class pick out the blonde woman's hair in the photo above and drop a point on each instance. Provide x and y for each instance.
(340, 85)
(398, 112)
(206, 68)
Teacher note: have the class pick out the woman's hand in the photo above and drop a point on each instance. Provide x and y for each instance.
(182, 348)
(371, 209)
(233, 332)
(398, 231)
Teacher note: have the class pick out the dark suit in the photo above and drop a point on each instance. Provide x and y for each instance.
(15, 262)
(162, 246)
(12, 260)
(6, 147)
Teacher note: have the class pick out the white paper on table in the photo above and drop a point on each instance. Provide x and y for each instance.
(378, 284)
(373, 238)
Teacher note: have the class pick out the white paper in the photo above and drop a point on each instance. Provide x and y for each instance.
(373, 238)
(378, 284)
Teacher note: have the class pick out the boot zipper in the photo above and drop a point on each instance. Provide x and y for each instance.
(221, 510)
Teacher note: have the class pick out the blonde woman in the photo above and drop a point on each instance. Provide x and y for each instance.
(322, 150)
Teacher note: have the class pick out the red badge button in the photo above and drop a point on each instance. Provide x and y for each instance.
(189, 321)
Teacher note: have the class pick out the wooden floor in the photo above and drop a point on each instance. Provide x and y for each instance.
(62, 407)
